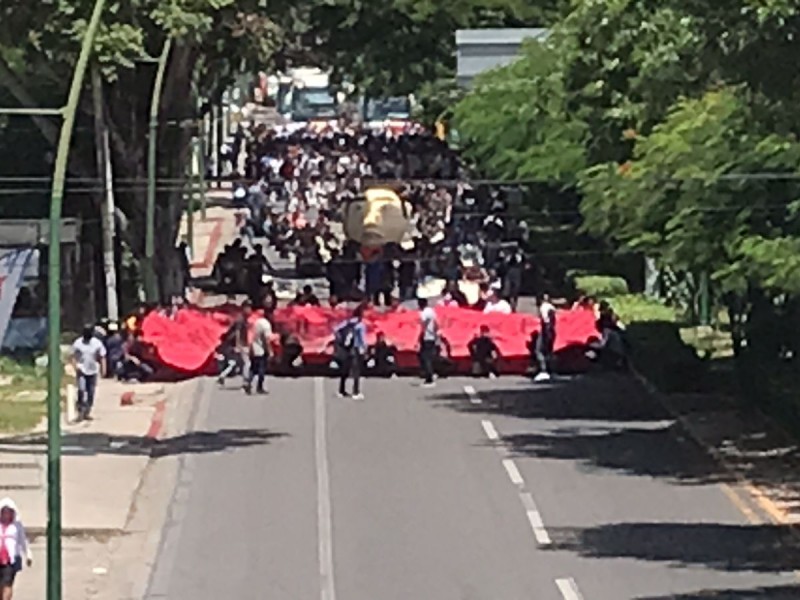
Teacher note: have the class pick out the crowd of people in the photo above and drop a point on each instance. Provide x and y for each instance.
(294, 187)
(293, 193)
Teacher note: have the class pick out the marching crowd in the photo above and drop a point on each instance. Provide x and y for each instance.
(298, 183)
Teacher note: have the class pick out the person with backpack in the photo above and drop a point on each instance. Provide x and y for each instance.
(350, 341)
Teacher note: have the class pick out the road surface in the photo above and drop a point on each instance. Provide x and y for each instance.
(474, 490)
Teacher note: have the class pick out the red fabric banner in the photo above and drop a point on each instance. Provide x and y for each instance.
(186, 343)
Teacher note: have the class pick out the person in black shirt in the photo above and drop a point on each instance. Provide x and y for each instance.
(406, 276)
(257, 267)
(484, 354)
(382, 357)
(291, 357)
(115, 350)
(306, 297)
(232, 346)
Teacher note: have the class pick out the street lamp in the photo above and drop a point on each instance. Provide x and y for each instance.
(150, 282)
(54, 367)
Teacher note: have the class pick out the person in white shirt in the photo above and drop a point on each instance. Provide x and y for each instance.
(261, 332)
(13, 547)
(547, 336)
(496, 305)
(88, 354)
(428, 341)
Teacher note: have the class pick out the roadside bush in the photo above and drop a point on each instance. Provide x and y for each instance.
(601, 286)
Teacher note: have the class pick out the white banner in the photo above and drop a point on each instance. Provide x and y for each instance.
(14, 262)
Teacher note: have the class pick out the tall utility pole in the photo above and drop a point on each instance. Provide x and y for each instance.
(150, 281)
(103, 153)
(54, 366)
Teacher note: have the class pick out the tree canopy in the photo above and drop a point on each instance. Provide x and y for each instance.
(677, 122)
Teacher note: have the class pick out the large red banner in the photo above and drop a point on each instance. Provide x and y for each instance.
(186, 343)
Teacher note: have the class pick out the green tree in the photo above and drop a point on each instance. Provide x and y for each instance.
(213, 39)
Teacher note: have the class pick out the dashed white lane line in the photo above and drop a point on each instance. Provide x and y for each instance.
(569, 589)
(491, 432)
(472, 395)
(513, 472)
(531, 511)
(535, 519)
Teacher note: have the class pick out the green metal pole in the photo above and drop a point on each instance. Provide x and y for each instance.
(54, 367)
(150, 282)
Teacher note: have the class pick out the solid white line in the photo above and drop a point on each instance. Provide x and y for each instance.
(472, 394)
(535, 519)
(513, 472)
(569, 589)
(325, 529)
(491, 432)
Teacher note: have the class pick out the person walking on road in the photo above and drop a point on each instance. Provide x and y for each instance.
(88, 358)
(428, 341)
(350, 339)
(261, 332)
(233, 346)
(13, 547)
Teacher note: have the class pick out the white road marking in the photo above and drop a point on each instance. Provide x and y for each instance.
(569, 589)
(513, 472)
(472, 394)
(325, 530)
(535, 519)
(491, 432)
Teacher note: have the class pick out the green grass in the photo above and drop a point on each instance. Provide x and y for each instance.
(21, 403)
(19, 417)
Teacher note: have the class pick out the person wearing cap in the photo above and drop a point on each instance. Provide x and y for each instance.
(88, 354)
(13, 547)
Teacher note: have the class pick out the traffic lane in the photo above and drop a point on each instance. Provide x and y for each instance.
(643, 510)
(248, 529)
(422, 507)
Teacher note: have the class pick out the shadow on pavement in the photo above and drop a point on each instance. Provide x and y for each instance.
(660, 451)
(601, 396)
(762, 548)
(781, 592)
(197, 442)
(603, 420)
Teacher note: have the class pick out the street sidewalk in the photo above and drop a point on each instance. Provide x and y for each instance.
(103, 465)
(102, 462)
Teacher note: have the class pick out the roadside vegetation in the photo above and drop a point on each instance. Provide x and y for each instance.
(23, 390)
(676, 125)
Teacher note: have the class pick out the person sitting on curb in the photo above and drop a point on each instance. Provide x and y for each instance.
(133, 366)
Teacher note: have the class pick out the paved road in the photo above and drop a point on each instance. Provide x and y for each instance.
(475, 490)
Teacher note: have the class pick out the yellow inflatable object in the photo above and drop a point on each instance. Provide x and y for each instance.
(379, 218)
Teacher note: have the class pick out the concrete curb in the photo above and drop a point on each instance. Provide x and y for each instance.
(770, 509)
(157, 421)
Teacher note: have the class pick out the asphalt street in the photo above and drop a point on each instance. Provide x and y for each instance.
(473, 490)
